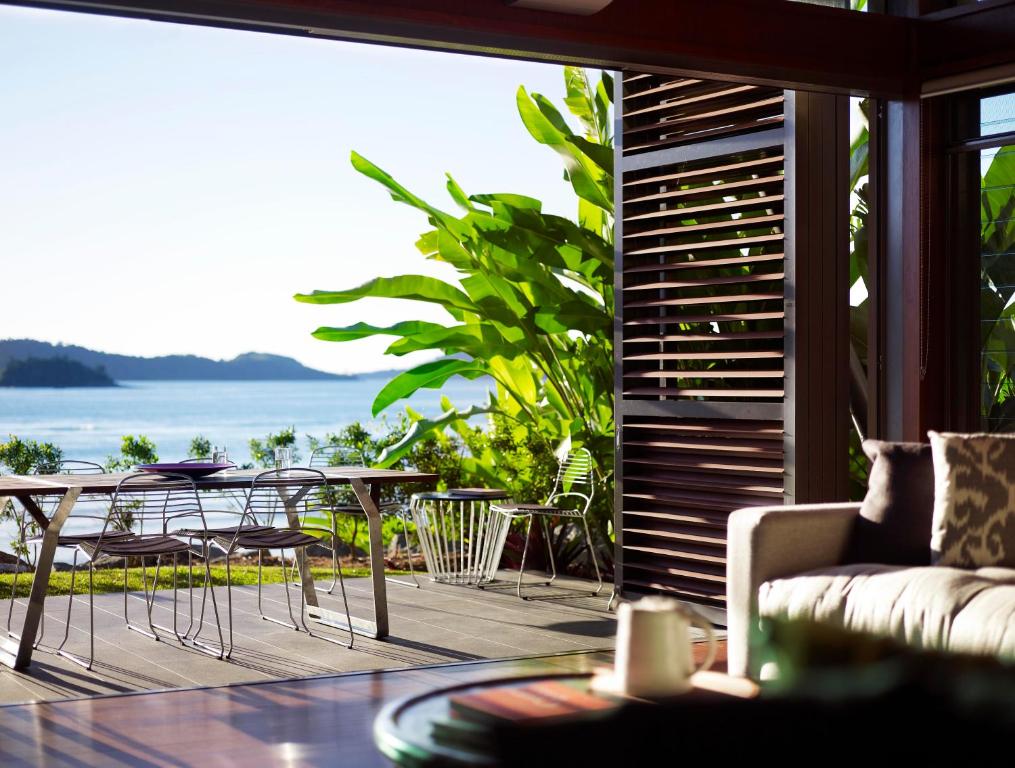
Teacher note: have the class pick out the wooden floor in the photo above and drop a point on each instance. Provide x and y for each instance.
(319, 721)
(432, 625)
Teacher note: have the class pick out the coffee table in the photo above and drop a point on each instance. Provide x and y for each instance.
(403, 730)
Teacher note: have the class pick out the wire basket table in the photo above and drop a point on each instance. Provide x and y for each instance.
(461, 538)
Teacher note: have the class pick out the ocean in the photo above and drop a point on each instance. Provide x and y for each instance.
(88, 423)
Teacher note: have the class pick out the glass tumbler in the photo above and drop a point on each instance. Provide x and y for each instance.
(283, 459)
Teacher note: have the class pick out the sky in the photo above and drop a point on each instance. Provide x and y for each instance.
(167, 188)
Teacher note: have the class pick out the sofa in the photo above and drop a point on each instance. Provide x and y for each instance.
(803, 562)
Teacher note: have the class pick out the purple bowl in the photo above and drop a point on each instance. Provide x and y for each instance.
(192, 469)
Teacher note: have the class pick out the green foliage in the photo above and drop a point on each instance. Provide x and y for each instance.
(859, 464)
(263, 451)
(997, 291)
(200, 447)
(25, 457)
(532, 309)
(133, 451)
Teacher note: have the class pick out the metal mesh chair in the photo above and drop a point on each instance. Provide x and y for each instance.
(48, 505)
(142, 523)
(270, 491)
(574, 484)
(335, 501)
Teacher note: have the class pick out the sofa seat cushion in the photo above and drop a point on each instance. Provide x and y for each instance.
(934, 607)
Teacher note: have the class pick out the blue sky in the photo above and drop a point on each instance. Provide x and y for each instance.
(167, 188)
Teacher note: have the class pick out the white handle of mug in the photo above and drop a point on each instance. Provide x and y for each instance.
(705, 624)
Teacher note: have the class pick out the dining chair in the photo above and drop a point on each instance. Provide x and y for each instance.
(270, 492)
(574, 486)
(48, 505)
(144, 522)
(332, 501)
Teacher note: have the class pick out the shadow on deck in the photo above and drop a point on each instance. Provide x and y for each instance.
(432, 625)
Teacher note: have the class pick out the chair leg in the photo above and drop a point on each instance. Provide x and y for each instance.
(525, 550)
(126, 617)
(176, 600)
(549, 549)
(211, 650)
(285, 578)
(70, 601)
(335, 567)
(595, 561)
(408, 554)
(229, 605)
(613, 596)
(348, 618)
(91, 625)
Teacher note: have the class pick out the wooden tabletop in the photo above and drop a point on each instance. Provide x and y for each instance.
(55, 485)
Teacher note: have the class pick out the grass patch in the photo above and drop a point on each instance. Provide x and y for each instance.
(111, 579)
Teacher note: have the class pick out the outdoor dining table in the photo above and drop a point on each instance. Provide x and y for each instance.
(365, 483)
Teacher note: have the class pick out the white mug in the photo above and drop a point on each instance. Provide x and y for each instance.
(654, 656)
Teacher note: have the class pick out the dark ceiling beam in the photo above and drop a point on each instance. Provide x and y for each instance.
(789, 45)
(975, 38)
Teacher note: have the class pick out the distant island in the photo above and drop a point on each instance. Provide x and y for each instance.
(52, 372)
(26, 360)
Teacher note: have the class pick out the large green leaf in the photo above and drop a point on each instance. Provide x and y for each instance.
(412, 287)
(547, 127)
(427, 376)
(365, 330)
(421, 429)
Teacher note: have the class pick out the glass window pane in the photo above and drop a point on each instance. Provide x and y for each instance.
(997, 114)
(997, 287)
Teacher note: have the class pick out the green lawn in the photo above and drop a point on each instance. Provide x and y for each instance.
(111, 579)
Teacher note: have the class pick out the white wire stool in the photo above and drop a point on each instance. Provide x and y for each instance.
(461, 537)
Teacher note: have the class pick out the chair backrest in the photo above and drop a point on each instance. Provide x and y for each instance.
(74, 467)
(270, 491)
(574, 476)
(155, 504)
(336, 456)
(70, 467)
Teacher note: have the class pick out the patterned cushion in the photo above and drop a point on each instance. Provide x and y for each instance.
(894, 521)
(974, 500)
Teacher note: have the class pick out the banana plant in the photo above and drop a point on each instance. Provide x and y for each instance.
(997, 291)
(532, 306)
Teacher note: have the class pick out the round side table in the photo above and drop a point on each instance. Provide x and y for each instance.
(461, 538)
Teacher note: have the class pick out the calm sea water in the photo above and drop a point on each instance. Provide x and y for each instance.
(88, 423)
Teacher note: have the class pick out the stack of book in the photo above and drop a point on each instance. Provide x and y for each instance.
(474, 716)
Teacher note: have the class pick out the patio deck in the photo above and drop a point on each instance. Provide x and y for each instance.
(432, 625)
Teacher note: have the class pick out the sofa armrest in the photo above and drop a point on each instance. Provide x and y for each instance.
(765, 543)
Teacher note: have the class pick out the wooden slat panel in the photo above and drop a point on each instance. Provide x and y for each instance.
(686, 301)
(739, 242)
(729, 207)
(709, 190)
(689, 230)
(711, 170)
(718, 393)
(745, 223)
(749, 354)
(710, 337)
(693, 133)
(757, 277)
(708, 263)
(718, 317)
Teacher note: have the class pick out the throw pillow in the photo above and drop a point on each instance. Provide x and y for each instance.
(974, 500)
(894, 522)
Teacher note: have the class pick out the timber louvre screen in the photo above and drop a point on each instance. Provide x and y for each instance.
(700, 324)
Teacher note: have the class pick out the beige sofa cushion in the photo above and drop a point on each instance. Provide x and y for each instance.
(954, 609)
